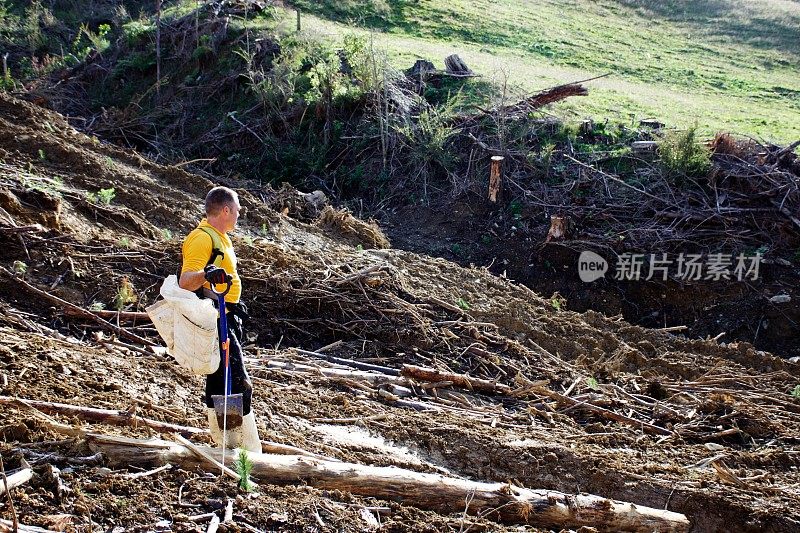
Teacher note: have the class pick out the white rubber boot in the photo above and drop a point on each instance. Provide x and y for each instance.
(244, 437)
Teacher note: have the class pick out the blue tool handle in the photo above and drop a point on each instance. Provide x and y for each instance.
(223, 331)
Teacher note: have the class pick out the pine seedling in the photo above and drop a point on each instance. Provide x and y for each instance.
(243, 467)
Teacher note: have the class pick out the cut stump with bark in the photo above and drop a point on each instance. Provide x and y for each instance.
(496, 179)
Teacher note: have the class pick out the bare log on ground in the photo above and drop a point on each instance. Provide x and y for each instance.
(432, 375)
(499, 501)
(33, 228)
(370, 377)
(124, 418)
(548, 96)
(350, 362)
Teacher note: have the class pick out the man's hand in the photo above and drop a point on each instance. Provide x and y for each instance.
(215, 275)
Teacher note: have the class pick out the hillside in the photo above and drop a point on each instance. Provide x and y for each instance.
(247, 99)
(578, 402)
(725, 66)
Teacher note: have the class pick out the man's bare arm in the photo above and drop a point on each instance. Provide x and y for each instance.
(191, 281)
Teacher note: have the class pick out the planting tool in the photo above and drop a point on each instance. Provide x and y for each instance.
(229, 407)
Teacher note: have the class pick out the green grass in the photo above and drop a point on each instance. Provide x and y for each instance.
(722, 65)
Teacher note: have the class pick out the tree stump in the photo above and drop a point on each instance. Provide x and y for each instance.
(455, 66)
(421, 68)
(496, 178)
(644, 149)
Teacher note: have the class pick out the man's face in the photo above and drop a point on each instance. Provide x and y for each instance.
(231, 215)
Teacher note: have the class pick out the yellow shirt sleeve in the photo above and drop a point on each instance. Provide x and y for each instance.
(196, 251)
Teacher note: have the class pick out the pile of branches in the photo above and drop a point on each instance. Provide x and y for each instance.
(407, 347)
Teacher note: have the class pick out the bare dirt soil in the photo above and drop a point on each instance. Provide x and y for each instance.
(592, 404)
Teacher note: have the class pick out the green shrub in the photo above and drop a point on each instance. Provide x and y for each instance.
(106, 195)
(682, 156)
(31, 27)
(97, 41)
(9, 24)
(125, 295)
(20, 268)
(136, 31)
(7, 82)
(103, 196)
(140, 61)
(428, 137)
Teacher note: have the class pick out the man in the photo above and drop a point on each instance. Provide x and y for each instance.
(208, 257)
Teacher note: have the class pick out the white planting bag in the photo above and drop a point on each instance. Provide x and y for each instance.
(188, 326)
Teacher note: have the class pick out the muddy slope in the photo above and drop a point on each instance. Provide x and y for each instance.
(727, 457)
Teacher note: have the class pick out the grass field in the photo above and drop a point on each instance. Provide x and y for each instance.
(723, 65)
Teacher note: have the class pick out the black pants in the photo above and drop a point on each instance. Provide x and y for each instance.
(240, 381)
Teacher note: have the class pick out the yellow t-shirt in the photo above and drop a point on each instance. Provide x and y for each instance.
(197, 250)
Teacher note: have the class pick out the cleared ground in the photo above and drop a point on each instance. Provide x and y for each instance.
(697, 427)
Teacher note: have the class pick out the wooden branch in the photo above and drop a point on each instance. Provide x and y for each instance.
(7, 526)
(104, 416)
(787, 213)
(33, 228)
(369, 377)
(16, 479)
(122, 332)
(203, 454)
(498, 501)
(154, 471)
(350, 362)
(7, 491)
(213, 526)
(124, 418)
(777, 156)
(122, 315)
(463, 381)
(603, 412)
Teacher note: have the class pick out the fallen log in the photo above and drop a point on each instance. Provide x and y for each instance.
(16, 479)
(124, 418)
(350, 362)
(370, 377)
(104, 416)
(499, 501)
(33, 228)
(463, 381)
